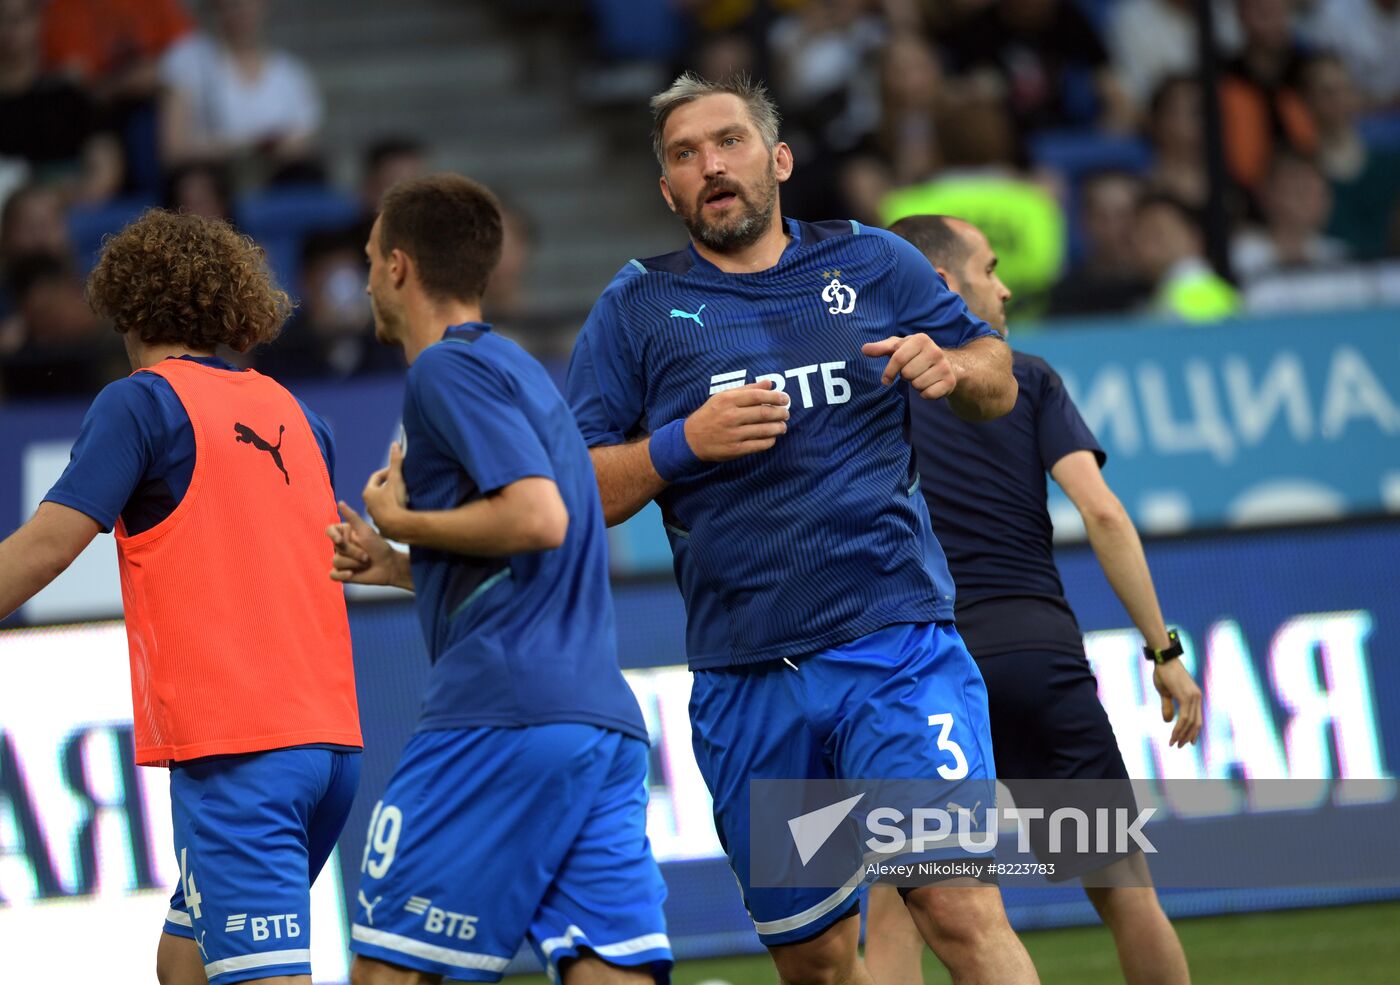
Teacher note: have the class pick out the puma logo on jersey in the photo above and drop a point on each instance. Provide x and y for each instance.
(678, 313)
(243, 434)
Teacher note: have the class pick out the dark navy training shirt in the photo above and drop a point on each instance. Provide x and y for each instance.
(527, 639)
(985, 485)
(135, 452)
(823, 538)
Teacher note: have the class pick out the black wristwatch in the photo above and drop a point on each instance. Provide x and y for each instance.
(1172, 651)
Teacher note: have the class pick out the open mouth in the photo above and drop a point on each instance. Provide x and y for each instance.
(719, 198)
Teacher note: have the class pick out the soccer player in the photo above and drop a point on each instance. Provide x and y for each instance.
(985, 487)
(745, 383)
(518, 808)
(217, 482)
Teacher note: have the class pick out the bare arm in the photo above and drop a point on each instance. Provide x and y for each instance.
(40, 551)
(986, 386)
(627, 479)
(1119, 549)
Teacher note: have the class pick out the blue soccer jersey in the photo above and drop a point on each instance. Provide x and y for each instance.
(823, 538)
(528, 639)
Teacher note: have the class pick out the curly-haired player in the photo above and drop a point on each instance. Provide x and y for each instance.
(217, 482)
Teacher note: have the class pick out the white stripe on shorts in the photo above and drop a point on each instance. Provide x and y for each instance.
(636, 945)
(264, 960)
(431, 952)
(179, 918)
(813, 913)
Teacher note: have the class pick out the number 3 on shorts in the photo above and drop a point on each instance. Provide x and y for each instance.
(959, 768)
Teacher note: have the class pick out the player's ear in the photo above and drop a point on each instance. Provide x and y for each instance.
(782, 161)
(399, 262)
(666, 193)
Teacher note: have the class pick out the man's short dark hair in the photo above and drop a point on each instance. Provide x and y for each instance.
(450, 226)
(937, 238)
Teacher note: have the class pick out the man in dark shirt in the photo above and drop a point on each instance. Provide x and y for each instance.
(985, 486)
(48, 121)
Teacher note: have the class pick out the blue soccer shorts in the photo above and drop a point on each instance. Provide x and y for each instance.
(487, 837)
(251, 834)
(897, 704)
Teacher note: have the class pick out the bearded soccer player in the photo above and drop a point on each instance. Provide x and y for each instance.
(518, 809)
(985, 486)
(217, 482)
(756, 384)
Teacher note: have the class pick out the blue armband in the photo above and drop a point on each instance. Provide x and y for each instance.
(671, 453)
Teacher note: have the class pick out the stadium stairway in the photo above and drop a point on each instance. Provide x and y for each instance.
(451, 74)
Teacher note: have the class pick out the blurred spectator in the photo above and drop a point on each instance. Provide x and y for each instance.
(823, 67)
(332, 333)
(1108, 278)
(1366, 33)
(47, 120)
(723, 56)
(1046, 57)
(31, 222)
(822, 55)
(1178, 141)
(200, 188)
(1296, 203)
(1261, 109)
(31, 225)
(1171, 250)
(928, 122)
(1365, 180)
(504, 300)
(65, 350)
(1153, 39)
(112, 46)
(229, 97)
(387, 161)
(914, 101)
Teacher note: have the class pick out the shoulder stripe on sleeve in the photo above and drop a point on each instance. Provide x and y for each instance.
(638, 264)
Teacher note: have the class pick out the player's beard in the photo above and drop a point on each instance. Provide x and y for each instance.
(386, 323)
(747, 224)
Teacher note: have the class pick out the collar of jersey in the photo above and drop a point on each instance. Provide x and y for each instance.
(466, 328)
(794, 229)
(213, 361)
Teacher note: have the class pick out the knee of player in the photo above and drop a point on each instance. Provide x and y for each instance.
(826, 960)
(959, 913)
(366, 971)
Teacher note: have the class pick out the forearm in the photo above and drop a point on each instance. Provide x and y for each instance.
(28, 562)
(482, 528)
(627, 479)
(1119, 550)
(986, 387)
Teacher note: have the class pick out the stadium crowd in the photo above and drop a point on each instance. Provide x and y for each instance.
(1070, 130)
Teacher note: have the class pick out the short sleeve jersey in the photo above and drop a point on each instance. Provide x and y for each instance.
(531, 638)
(823, 538)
